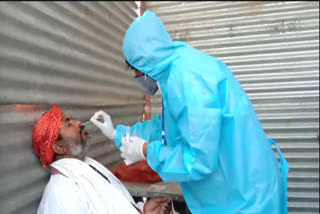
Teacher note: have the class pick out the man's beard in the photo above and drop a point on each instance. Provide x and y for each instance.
(78, 151)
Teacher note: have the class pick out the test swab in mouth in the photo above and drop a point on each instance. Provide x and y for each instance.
(83, 124)
(99, 119)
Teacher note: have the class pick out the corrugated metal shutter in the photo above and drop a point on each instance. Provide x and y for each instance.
(273, 50)
(66, 53)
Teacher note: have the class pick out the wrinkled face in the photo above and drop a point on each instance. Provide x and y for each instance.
(74, 137)
(72, 129)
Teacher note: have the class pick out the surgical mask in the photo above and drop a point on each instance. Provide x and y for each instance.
(147, 85)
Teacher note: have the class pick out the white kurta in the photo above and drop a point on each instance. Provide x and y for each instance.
(82, 190)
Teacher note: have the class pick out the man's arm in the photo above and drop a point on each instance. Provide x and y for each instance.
(197, 112)
(149, 130)
(61, 197)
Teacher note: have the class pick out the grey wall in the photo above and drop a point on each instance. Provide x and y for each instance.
(272, 47)
(65, 53)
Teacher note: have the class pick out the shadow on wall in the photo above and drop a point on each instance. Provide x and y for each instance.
(22, 178)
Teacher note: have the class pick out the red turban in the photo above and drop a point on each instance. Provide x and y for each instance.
(45, 132)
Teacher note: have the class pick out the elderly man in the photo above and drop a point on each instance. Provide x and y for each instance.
(79, 184)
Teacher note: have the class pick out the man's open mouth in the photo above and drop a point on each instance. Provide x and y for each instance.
(83, 132)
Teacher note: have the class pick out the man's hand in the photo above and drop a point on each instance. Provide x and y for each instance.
(157, 205)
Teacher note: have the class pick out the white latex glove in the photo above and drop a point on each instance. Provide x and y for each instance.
(132, 150)
(106, 126)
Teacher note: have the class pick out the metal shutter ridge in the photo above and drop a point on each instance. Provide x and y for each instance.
(65, 53)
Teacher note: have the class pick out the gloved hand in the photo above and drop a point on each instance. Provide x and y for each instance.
(106, 126)
(132, 150)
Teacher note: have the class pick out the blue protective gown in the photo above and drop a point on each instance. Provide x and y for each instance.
(216, 147)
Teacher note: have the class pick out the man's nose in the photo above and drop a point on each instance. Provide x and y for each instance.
(77, 122)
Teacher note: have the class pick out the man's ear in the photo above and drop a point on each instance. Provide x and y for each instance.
(59, 147)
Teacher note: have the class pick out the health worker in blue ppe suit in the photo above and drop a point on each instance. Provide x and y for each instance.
(208, 138)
